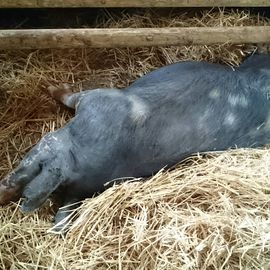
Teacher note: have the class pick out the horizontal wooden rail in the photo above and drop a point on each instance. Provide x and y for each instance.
(131, 3)
(131, 37)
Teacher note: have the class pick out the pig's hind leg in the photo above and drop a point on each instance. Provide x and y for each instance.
(37, 191)
(64, 94)
(37, 175)
(12, 185)
(64, 215)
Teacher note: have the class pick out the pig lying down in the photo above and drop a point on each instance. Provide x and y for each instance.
(157, 121)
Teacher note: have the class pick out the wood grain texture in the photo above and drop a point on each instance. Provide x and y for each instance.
(129, 37)
(131, 3)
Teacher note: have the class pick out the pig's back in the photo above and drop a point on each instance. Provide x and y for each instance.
(194, 107)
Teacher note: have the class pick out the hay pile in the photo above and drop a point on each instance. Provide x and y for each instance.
(208, 213)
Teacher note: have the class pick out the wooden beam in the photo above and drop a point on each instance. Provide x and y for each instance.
(131, 3)
(131, 37)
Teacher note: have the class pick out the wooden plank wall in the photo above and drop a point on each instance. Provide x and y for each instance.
(129, 37)
(131, 3)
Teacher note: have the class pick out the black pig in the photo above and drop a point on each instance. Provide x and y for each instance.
(157, 121)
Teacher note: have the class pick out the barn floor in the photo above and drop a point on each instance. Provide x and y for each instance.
(209, 212)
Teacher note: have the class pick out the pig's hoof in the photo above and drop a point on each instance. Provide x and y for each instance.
(61, 224)
(59, 92)
(8, 193)
(64, 217)
(27, 207)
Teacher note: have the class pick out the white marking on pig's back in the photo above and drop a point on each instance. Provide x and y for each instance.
(214, 93)
(139, 109)
(239, 100)
(230, 119)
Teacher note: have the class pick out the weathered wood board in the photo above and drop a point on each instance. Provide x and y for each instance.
(130, 37)
(131, 3)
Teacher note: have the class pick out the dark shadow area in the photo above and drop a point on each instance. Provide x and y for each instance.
(84, 17)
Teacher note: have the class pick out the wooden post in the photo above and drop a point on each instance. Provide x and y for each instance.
(130, 37)
(131, 3)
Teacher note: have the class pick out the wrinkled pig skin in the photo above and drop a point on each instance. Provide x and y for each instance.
(157, 121)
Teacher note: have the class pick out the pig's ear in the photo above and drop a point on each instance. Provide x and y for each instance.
(42, 186)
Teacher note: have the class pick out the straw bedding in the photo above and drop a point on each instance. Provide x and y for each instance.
(209, 212)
